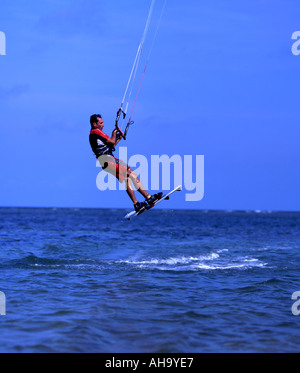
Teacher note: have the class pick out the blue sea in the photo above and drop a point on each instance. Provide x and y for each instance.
(169, 281)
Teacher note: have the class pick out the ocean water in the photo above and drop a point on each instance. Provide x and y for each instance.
(86, 280)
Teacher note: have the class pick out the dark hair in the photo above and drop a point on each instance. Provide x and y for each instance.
(94, 118)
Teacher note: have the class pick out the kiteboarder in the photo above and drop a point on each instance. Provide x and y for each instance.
(103, 147)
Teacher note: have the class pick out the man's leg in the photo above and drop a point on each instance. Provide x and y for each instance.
(137, 184)
(140, 187)
(130, 190)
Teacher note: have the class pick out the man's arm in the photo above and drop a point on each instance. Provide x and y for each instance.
(113, 139)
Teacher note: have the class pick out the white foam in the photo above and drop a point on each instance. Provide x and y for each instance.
(210, 261)
(173, 260)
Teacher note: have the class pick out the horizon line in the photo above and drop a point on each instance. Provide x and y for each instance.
(158, 208)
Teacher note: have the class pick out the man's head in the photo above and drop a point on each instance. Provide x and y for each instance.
(96, 121)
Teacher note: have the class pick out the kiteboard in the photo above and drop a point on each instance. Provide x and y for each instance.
(133, 214)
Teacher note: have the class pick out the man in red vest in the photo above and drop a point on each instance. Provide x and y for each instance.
(103, 147)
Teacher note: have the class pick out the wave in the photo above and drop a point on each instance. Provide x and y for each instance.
(172, 260)
(32, 261)
(218, 260)
(210, 261)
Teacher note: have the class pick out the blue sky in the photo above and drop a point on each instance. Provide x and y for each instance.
(221, 82)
